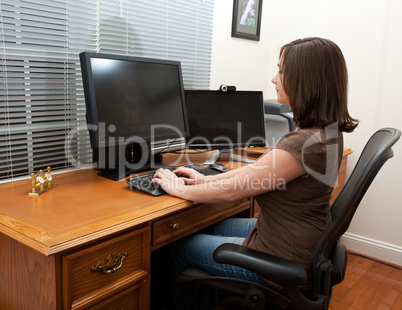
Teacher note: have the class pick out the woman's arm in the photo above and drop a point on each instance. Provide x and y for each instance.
(192, 177)
(272, 170)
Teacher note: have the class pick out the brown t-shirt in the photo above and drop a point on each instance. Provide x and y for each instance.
(294, 217)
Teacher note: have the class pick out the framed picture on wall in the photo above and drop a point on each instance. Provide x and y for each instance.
(246, 21)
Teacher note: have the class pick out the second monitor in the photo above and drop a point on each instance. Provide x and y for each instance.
(225, 121)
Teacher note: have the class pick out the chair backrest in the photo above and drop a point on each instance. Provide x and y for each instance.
(376, 152)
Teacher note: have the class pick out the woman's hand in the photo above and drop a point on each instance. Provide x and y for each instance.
(170, 182)
(189, 176)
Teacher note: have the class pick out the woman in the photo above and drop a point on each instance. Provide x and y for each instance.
(292, 182)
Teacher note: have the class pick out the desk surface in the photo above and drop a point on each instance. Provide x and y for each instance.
(65, 216)
(51, 243)
(78, 209)
(55, 239)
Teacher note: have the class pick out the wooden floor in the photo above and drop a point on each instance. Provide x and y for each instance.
(368, 285)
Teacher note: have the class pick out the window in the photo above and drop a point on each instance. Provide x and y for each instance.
(41, 94)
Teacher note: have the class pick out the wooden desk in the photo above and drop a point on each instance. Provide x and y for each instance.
(50, 242)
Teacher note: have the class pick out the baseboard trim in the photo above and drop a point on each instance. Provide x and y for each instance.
(379, 250)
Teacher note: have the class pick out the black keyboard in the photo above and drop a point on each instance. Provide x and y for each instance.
(143, 182)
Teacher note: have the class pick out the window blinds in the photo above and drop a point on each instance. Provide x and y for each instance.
(42, 100)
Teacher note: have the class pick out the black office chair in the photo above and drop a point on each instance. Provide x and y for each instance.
(330, 255)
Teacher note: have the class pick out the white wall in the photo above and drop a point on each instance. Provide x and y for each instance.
(369, 32)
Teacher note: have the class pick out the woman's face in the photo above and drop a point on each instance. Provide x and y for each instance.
(282, 96)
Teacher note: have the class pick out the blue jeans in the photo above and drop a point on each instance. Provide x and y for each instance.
(196, 251)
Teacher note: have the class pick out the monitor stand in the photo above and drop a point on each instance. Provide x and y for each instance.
(227, 155)
(128, 162)
(120, 173)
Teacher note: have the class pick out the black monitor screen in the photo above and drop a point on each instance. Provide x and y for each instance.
(219, 120)
(130, 97)
(132, 103)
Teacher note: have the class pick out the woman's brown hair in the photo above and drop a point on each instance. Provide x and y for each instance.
(316, 80)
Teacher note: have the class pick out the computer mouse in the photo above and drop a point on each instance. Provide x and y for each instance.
(218, 167)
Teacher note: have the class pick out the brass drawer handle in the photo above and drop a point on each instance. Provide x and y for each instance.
(174, 226)
(111, 258)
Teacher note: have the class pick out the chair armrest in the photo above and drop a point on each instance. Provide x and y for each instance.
(339, 261)
(267, 266)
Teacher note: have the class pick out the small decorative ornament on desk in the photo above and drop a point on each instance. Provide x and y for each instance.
(41, 182)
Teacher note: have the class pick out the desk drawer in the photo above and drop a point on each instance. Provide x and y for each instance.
(130, 299)
(186, 222)
(83, 287)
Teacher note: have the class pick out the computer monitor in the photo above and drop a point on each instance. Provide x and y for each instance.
(225, 121)
(131, 103)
